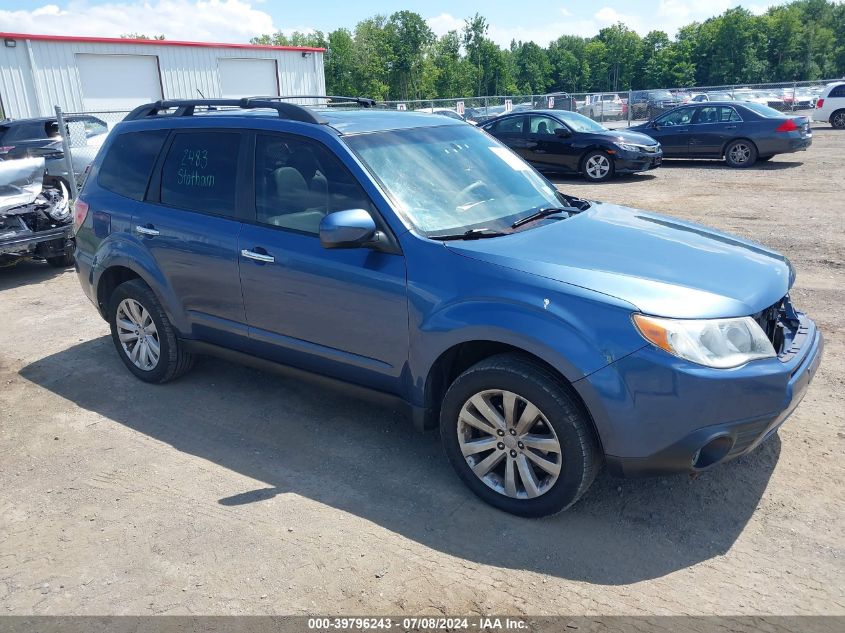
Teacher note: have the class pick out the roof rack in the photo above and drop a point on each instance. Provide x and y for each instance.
(363, 101)
(185, 107)
(291, 111)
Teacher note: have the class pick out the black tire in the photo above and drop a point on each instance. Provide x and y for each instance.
(837, 120)
(173, 360)
(61, 261)
(740, 153)
(597, 155)
(580, 456)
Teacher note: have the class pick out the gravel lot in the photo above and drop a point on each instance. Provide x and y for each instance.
(234, 491)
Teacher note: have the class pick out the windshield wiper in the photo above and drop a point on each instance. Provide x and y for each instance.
(541, 213)
(472, 234)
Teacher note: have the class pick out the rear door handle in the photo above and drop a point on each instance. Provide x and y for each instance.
(259, 257)
(146, 230)
(731, 127)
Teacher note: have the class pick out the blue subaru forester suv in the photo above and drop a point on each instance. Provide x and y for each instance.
(416, 259)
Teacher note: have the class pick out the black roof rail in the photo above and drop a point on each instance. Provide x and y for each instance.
(363, 101)
(185, 107)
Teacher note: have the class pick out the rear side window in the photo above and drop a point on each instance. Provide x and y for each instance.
(509, 125)
(129, 162)
(200, 171)
(837, 91)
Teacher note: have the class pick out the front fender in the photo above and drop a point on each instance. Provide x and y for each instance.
(120, 250)
(575, 335)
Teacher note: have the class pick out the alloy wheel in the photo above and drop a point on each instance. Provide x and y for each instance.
(138, 334)
(740, 153)
(509, 444)
(838, 120)
(597, 166)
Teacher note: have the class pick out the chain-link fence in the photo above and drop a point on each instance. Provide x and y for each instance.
(82, 133)
(624, 107)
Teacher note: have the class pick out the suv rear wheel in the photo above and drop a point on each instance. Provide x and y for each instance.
(837, 120)
(143, 335)
(517, 437)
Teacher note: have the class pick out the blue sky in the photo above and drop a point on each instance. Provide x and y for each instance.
(238, 20)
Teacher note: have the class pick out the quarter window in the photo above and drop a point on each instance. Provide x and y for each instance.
(299, 182)
(837, 91)
(200, 171)
(129, 162)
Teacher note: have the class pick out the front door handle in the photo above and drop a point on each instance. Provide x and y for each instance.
(259, 257)
(731, 127)
(146, 230)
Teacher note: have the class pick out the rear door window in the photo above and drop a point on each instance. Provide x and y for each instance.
(508, 125)
(129, 162)
(200, 172)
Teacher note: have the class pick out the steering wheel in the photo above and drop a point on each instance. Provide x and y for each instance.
(464, 193)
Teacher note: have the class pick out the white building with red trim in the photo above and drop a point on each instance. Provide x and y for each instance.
(100, 74)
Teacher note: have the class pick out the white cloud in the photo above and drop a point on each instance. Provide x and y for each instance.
(202, 20)
(443, 23)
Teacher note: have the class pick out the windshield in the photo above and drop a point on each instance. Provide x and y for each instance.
(661, 94)
(764, 110)
(579, 122)
(450, 179)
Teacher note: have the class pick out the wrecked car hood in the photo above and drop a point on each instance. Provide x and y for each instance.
(661, 265)
(21, 181)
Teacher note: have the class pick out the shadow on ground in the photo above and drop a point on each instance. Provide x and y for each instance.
(26, 272)
(369, 462)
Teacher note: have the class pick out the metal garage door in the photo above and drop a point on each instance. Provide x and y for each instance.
(118, 82)
(248, 77)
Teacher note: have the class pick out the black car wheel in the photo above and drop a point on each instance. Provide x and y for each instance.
(837, 120)
(143, 335)
(597, 166)
(517, 438)
(740, 153)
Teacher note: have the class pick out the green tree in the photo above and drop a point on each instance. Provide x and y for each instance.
(408, 38)
(532, 70)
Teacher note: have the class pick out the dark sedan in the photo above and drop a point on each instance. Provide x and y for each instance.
(559, 141)
(740, 132)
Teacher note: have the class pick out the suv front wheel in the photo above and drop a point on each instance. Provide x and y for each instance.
(517, 438)
(143, 335)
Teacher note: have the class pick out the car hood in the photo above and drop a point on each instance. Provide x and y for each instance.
(660, 265)
(625, 136)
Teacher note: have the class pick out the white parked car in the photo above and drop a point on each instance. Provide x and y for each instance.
(831, 105)
(602, 106)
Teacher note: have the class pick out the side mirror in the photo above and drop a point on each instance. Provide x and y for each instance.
(347, 229)
(562, 132)
(655, 125)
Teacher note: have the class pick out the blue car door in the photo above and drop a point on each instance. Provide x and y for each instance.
(711, 128)
(341, 312)
(189, 225)
(673, 131)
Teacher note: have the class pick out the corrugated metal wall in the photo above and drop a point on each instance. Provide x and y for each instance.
(36, 75)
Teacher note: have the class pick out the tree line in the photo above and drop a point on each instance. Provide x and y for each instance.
(398, 57)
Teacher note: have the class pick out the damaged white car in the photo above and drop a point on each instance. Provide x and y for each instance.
(35, 219)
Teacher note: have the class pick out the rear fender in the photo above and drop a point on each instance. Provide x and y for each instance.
(120, 250)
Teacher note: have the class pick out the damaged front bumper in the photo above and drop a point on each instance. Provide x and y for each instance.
(35, 220)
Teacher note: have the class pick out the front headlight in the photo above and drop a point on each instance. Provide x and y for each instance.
(719, 343)
(630, 147)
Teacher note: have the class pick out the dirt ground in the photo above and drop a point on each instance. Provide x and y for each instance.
(233, 491)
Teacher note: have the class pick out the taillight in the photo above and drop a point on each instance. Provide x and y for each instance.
(80, 212)
(5, 149)
(819, 103)
(787, 126)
